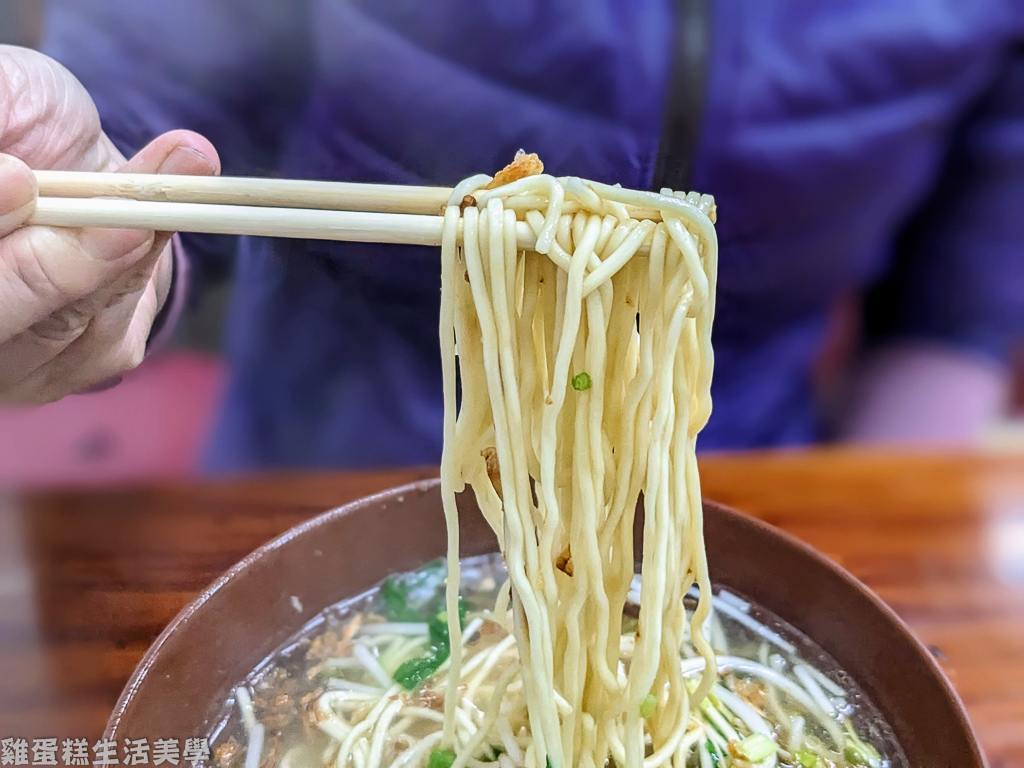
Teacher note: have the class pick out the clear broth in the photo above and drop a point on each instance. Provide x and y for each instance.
(285, 685)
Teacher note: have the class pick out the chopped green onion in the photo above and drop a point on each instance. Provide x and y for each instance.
(716, 759)
(756, 748)
(396, 602)
(649, 705)
(437, 630)
(417, 595)
(581, 382)
(807, 759)
(441, 758)
(859, 753)
(414, 672)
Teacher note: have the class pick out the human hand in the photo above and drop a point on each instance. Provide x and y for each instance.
(76, 305)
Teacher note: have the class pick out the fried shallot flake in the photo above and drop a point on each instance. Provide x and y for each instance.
(522, 166)
(493, 471)
(224, 756)
(564, 562)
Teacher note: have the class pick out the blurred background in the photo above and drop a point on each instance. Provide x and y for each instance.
(156, 423)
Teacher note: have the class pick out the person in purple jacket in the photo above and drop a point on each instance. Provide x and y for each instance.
(865, 154)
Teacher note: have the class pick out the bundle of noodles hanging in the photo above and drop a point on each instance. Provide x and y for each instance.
(585, 368)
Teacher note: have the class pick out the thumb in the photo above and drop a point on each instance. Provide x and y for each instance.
(17, 193)
(176, 152)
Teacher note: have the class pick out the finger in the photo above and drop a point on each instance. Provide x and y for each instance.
(43, 269)
(113, 342)
(27, 352)
(177, 152)
(82, 323)
(174, 152)
(18, 192)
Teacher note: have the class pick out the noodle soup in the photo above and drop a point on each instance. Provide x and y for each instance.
(363, 686)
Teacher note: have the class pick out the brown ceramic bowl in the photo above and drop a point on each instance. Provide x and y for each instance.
(182, 682)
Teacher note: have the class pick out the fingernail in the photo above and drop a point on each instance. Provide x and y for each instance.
(103, 386)
(186, 161)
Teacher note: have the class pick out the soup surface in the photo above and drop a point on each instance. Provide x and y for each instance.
(362, 686)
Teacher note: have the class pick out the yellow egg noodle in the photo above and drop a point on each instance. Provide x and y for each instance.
(583, 368)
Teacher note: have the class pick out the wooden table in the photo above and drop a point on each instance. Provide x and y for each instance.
(89, 578)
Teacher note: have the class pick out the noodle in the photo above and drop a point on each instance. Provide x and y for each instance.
(585, 375)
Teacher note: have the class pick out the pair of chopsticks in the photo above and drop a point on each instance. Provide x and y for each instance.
(315, 210)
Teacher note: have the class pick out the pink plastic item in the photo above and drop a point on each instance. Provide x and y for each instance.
(151, 426)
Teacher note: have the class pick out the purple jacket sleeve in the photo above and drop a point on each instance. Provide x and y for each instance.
(960, 275)
(232, 70)
(167, 320)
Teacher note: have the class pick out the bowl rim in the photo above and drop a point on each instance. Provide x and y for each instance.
(185, 615)
(197, 603)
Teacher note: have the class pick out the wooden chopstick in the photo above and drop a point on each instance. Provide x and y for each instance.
(314, 210)
(224, 190)
(351, 226)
